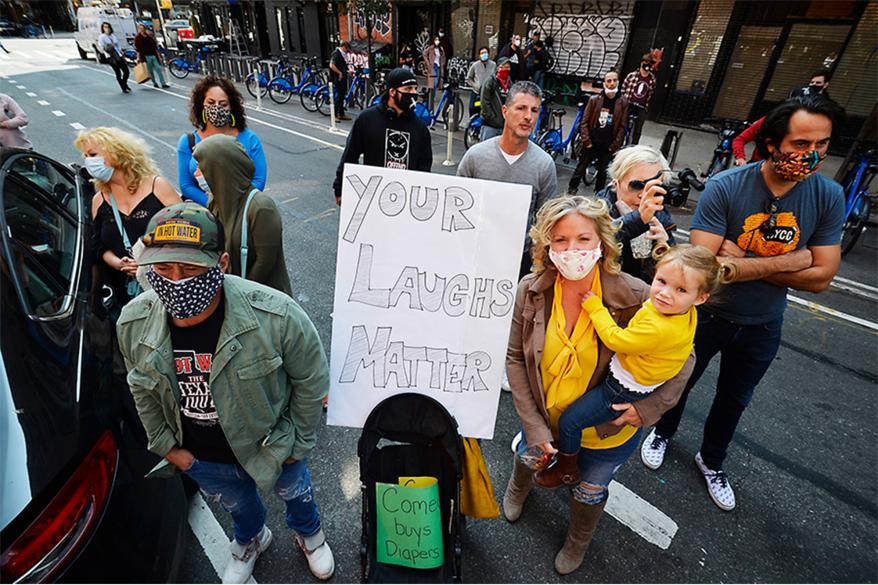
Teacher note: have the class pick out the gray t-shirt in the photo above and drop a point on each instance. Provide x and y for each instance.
(735, 205)
(535, 167)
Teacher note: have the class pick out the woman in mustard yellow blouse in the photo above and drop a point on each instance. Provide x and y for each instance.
(555, 356)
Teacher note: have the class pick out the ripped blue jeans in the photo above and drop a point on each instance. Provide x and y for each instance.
(236, 491)
(597, 467)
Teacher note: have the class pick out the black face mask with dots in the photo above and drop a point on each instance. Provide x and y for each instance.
(189, 297)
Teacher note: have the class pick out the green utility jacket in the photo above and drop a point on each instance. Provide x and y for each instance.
(268, 378)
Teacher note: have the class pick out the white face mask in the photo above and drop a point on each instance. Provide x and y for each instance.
(611, 92)
(575, 264)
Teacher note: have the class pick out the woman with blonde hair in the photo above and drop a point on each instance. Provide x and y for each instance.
(129, 192)
(555, 356)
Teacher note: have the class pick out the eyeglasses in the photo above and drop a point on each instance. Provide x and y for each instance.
(638, 185)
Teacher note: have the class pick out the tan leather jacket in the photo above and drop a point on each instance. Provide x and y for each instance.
(622, 295)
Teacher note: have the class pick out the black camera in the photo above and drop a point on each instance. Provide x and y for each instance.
(678, 185)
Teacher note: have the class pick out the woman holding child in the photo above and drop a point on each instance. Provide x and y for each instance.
(556, 356)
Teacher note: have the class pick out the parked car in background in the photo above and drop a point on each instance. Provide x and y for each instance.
(88, 27)
(74, 503)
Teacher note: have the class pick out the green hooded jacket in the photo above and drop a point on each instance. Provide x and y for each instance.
(268, 378)
(229, 173)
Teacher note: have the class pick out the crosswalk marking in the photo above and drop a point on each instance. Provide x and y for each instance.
(58, 113)
(43, 102)
(77, 126)
(31, 94)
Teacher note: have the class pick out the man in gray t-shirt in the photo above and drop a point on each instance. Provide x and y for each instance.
(774, 225)
(513, 158)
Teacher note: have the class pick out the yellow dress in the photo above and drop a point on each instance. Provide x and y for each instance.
(568, 364)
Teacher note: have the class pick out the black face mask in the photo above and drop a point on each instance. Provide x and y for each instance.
(405, 101)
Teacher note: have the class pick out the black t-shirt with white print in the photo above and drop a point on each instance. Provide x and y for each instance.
(194, 348)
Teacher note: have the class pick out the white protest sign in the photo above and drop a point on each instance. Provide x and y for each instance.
(424, 290)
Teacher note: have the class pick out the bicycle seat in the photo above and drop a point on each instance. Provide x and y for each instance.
(558, 113)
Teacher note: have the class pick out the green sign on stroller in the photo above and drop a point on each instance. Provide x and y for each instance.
(409, 523)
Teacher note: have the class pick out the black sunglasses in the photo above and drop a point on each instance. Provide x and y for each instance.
(638, 185)
(771, 221)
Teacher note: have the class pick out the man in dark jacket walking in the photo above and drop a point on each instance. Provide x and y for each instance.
(389, 134)
(148, 52)
(601, 132)
(493, 95)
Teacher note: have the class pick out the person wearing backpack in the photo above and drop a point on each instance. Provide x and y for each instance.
(216, 107)
(250, 218)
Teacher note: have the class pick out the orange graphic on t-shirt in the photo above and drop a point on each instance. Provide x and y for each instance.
(781, 240)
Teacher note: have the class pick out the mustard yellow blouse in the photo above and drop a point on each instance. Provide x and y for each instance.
(568, 364)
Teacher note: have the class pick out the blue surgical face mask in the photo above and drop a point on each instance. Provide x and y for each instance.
(98, 169)
(483, 56)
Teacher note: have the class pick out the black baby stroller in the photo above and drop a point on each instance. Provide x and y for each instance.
(424, 443)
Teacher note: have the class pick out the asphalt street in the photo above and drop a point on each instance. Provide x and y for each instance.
(803, 462)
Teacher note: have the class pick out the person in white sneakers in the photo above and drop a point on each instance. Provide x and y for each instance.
(774, 224)
(227, 376)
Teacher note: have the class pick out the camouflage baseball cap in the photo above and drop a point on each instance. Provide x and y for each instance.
(184, 232)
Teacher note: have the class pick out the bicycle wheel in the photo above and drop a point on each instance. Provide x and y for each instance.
(855, 224)
(254, 86)
(458, 113)
(306, 96)
(321, 100)
(720, 163)
(473, 131)
(279, 90)
(549, 142)
(178, 68)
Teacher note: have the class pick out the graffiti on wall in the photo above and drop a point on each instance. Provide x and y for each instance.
(382, 27)
(588, 38)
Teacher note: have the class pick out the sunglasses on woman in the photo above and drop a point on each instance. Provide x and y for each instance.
(638, 185)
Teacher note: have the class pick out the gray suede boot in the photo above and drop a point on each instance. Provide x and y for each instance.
(517, 490)
(583, 520)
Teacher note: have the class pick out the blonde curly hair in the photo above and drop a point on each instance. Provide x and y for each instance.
(596, 210)
(123, 151)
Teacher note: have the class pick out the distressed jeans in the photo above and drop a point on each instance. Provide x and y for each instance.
(236, 491)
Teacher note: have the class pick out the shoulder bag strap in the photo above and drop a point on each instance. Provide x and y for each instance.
(122, 232)
(244, 250)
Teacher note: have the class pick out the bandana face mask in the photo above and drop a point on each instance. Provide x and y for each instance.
(188, 297)
(219, 116)
(797, 165)
(575, 264)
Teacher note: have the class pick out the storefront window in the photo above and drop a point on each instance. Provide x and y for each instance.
(704, 43)
(809, 47)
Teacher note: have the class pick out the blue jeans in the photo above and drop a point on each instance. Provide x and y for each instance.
(436, 83)
(236, 491)
(597, 467)
(746, 354)
(155, 70)
(592, 408)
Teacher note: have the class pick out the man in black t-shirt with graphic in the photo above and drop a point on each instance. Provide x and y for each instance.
(227, 376)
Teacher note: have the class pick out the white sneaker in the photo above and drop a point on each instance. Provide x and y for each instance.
(319, 555)
(504, 383)
(652, 451)
(515, 441)
(718, 485)
(240, 566)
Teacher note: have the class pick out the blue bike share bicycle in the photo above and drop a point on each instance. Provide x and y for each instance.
(296, 80)
(858, 199)
(180, 67)
(359, 94)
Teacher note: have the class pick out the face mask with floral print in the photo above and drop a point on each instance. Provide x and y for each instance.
(575, 264)
(797, 165)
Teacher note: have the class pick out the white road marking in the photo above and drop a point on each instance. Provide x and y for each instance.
(856, 284)
(834, 313)
(58, 113)
(117, 118)
(43, 102)
(290, 199)
(77, 126)
(210, 534)
(646, 520)
(46, 55)
(322, 214)
(31, 94)
(22, 87)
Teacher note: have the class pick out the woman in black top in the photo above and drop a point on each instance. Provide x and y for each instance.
(122, 174)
